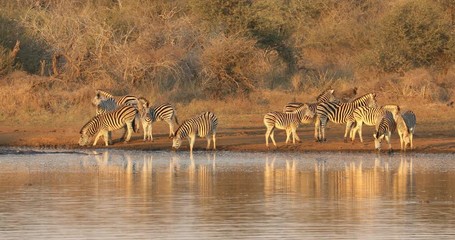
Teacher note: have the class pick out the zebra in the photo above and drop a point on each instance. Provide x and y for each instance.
(164, 112)
(326, 96)
(287, 121)
(106, 102)
(103, 123)
(406, 123)
(339, 113)
(202, 125)
(370, 116)
(384, 129)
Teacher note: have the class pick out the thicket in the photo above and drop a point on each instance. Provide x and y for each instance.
(216, 48)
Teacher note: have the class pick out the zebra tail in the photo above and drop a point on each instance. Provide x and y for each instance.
(176, 120)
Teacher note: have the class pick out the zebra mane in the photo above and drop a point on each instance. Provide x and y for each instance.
(301, 108)
(102, 93)
(88, 124)
(181, 126)
(324, 94)
(361, 98)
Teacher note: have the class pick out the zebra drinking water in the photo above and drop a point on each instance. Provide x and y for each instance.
(406, 123)
(110, 121)
(163, 112)
(339, 113)
(370, 116)
(384, 129)
(287, 121)
(203, 125)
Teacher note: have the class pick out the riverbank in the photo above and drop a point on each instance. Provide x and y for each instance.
(429, 138)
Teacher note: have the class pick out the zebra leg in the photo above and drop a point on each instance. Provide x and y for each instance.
(145, 128)
(410, 140)
(273, 137)
(100, 133)
(317, 128)
(348, 129)
(401, 141)
(354, 131)
(322, 129)
(208, 142)
(288, 134)
(129, 128)
(151, 132)
(107, 140)
(267, 134)
(108, 137)
(295, 136)
(360, 132)
(192, 140)
(171, 127)
(387, 138)
(214, 140)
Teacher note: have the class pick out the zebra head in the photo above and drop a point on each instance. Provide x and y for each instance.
(176, 142)
(378, 139)
(304, 113)
(88, 130)
(84, 139)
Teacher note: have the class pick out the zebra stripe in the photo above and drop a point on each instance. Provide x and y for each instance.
(339, 113)
(326, 96)
(105, 105)
(406, 123)
(287, 121)
(384, 129)
(120, 100)
(103, 123)
(164, 112)
(370, 116)
(203, 125)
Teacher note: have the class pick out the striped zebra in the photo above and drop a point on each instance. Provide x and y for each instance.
(105, 122)
(370, 116)
(384, 129)
(106, 102)
(406, 123)
(339, 113)
(286, 121)
(326, 96)
(164, 112)
(203, 125)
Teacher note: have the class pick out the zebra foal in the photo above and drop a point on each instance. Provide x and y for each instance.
(339, 113)
(286, 121)
(164, 112)
(384, 129)
(203, 125)
(406, 124)
(103, 123)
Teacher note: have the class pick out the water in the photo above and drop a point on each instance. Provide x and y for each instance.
(164, 195)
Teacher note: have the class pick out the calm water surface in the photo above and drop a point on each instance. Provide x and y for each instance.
(165, 195)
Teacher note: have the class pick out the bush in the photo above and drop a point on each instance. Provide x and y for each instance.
(231, 65)
(413, 35)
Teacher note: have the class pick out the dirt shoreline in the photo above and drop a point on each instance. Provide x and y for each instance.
(429, 139)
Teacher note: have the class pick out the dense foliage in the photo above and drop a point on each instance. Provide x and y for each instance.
(223, 47)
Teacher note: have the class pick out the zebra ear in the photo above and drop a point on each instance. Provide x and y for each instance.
(332, 90)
